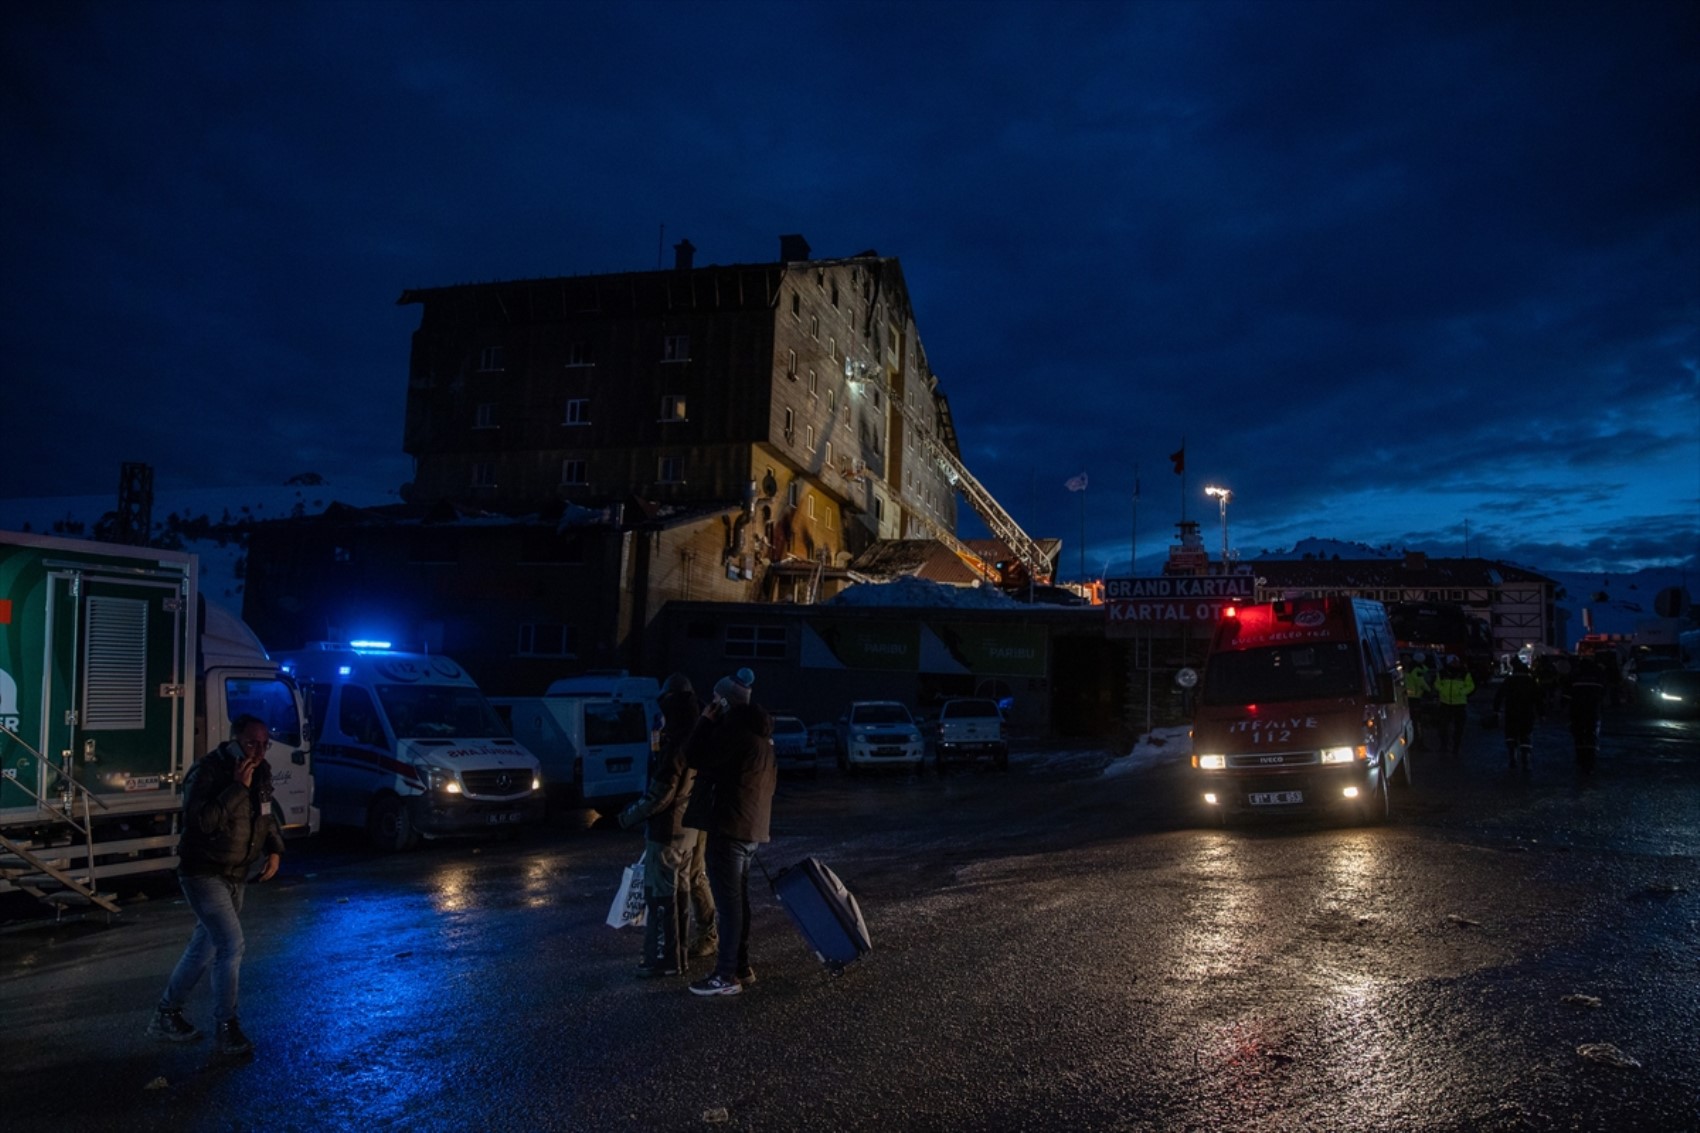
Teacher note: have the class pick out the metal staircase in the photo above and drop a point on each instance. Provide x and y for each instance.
(48, 873)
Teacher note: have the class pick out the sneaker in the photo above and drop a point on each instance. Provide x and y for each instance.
(717, 985)
(746, 977)
(231, 1040)
(168, 1024)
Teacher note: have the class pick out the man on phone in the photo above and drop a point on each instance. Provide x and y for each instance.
(732, 752)
(227, 828)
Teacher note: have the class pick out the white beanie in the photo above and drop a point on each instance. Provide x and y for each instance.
(735, 689)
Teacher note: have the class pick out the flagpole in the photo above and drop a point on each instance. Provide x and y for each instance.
(1083, 536)
(1133, 537)
(1183, 477)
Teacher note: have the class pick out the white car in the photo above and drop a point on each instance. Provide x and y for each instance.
(878, 733)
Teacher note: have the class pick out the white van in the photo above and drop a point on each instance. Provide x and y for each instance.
(406, 746)
(594, 735)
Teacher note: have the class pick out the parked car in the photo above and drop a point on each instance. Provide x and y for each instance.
(878, 733)
(1675, 693)
(824, 737)
(1642, 676)
(793, 746)
(971, 729)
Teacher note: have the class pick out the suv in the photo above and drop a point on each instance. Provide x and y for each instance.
(878, 733)
(972, 729)
(793, 746)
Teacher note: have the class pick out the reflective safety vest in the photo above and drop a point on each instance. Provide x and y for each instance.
(1454, 690)
(1416, 683)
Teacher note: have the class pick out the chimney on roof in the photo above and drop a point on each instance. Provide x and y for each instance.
(682, 253)
(793, 248)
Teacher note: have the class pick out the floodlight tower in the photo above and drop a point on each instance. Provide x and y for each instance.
(1222, 495)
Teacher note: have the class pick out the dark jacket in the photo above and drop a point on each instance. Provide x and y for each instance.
(670, 781)
(733, 758)
(1520, 698)
(226, 827)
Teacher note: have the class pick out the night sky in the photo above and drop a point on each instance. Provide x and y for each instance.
(1389, 269)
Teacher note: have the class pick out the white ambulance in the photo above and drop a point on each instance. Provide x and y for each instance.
(407, 746)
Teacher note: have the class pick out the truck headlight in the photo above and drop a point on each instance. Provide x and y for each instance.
(441, 779)
(1343, 754)
(1212, 762)
(537, 782)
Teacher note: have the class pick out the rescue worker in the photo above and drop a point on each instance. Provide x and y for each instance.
(1587, 695)
(1453, 687)
(1417, 692)
(1519, 702)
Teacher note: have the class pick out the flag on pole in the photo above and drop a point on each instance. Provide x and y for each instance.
(1076, 483)
(1179, 457)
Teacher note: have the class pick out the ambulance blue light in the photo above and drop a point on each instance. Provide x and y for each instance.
(368, 645)
(344, 670)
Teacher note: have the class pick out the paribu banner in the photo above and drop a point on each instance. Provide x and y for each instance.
(923, 647)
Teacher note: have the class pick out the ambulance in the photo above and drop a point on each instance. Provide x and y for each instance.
(408, 747)
(1301, 708)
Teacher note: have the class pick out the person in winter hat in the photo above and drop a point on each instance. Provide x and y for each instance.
(679, 909)
(731, 750)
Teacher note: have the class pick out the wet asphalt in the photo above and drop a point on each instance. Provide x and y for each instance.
(1053, 950)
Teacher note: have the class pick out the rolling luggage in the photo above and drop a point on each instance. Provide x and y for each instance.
(825, 913)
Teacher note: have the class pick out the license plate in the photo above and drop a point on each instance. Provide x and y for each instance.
(1276, 798)
(504, 817)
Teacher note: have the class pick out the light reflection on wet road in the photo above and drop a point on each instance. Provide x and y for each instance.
(1052, 951)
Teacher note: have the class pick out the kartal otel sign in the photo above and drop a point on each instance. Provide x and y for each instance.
(1181, 598)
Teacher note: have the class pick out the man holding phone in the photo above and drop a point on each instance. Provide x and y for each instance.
(227, 828)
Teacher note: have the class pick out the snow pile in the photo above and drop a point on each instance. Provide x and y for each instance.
(1161, 746)
(912, 591)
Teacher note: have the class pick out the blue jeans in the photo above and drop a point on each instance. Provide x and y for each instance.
(216, 943)
(728, 864)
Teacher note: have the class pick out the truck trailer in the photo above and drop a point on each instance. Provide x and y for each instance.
(115, 676)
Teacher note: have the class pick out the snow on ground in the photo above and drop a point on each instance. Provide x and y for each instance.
(911, 591)
(1161, 746)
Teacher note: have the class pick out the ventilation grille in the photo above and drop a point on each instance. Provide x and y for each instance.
(115, 664)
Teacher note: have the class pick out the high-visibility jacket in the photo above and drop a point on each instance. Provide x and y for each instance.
(1454, 687)
(1416, 683)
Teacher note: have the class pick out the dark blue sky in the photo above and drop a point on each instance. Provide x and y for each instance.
(1389, 269)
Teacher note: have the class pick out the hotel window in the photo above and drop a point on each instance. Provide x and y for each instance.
(578, 411)
(670, 470)
(484, 416)
(827, 461)
(809, 501)
(673, 408)
(546, 639)
(791, 364)
(790, 425)
(879, 509)
(574, 472)
(791, 491)
(814, 384)
(676, 348)
(831, 347)
(492, 359)
(749, 642)
(579, 354)
(835, 293)
(796, 305)
(831, 402)
(808, 438)
(814, 327)
(484, 474)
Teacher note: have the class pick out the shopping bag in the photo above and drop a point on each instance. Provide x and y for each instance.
(628, 905)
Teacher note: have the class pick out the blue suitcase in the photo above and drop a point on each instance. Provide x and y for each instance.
(824, 912)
